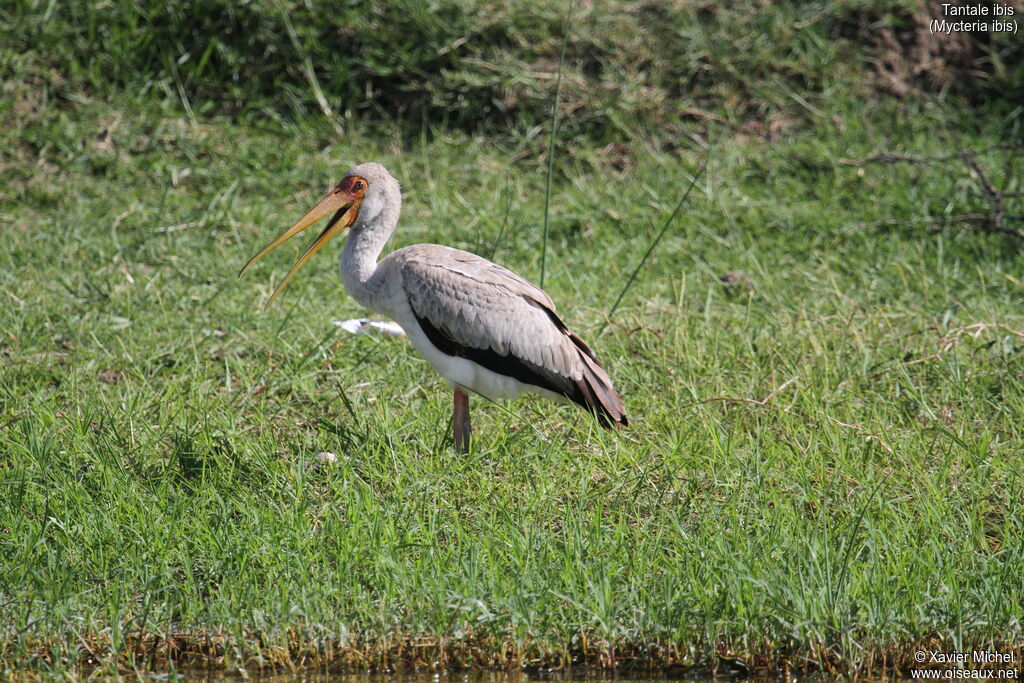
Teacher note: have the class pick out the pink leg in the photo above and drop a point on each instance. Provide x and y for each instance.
(460, 421)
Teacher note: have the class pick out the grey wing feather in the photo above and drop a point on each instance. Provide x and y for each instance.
(484, 311)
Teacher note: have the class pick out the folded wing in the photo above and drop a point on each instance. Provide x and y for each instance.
(472, 308)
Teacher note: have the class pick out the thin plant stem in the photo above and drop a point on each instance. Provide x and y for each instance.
(654, 243)
(567, 26)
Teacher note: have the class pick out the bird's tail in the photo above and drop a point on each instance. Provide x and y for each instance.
(596, 390)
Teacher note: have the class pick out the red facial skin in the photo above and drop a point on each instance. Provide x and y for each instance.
(353, 186)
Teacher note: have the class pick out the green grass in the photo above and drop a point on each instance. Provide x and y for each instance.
(823, 465)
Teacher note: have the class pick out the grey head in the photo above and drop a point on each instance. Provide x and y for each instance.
(382, 201)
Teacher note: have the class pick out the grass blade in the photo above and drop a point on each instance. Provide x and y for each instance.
(654, 243)
(551, 141)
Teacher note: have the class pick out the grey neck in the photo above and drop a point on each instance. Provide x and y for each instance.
(366, 240)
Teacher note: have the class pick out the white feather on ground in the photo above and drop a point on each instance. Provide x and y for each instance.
(366, 326)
